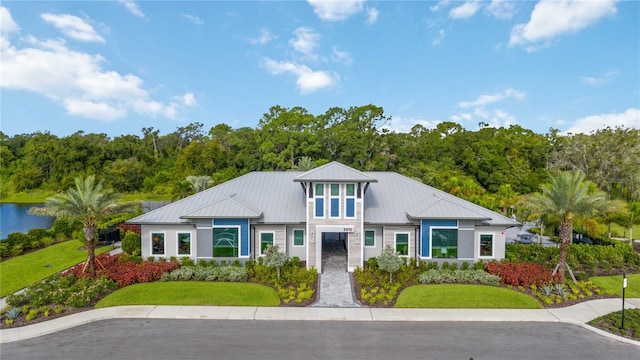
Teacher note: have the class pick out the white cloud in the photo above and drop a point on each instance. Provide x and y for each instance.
(439, 5)
(332, 10)
(307, 80)
(195, 19)
(78, 81)
(598, 80)
(405, 124)
(306, 42)
(502, 9)
(466, 10)
(438, 38)
(372, 16)
(7, 25)
(132, 7)
(341, 56)
(265, 37)
(629, 119)
(552, 18)
(485, 99)
(73, 27)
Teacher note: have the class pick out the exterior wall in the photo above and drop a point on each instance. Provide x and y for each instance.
(499, 240)
(389, 236)
(316, 226)
(279, 237)
(293, 250)
(376, 250)
(170, 239)
(467, 243)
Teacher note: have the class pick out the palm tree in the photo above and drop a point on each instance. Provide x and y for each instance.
(566, 198)
(88, 202)
(199, 183)
(305, 163)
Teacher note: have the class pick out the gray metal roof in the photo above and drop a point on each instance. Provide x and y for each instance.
(277, 198)
(334, 171)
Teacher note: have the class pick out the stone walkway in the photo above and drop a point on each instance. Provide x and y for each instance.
(335, 282)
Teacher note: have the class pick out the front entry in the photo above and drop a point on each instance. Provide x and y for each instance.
(334, 251)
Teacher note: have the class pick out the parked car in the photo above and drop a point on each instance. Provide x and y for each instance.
(526, 239)
(581, 239)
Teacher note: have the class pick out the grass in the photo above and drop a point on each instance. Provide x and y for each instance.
(127, 197)
(619, 231)
(456, 296)
(31, 197)
(614, 283)
(21, 271)
(192, 293)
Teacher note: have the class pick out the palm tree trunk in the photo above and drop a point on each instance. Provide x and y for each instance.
(90, 235)
(565, 236)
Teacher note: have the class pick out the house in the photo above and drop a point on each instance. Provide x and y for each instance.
(298, 211)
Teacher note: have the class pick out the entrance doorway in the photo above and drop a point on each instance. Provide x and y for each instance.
(334, 251)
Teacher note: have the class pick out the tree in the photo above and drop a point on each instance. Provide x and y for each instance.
(566, 198)
(88, 202)
(304, 164)
(390, 261)
(274, 258)
(199, 183)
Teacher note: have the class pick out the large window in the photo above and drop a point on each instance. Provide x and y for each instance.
(350, 200)
(335, 201)
(157, 243)
(444, 243)
(225, 242)
(319, 199)
(298, 237)
(402, 244)
(369, 238)
(486, 245)
(266, 239)
(184, 243)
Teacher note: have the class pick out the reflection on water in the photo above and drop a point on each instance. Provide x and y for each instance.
(14, 218)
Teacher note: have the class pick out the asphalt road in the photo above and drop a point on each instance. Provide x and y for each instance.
(232, 339)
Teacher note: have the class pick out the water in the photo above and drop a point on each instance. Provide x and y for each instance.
(14, 218)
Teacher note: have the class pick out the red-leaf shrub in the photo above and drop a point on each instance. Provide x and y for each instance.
(126, 272)
(521, 274)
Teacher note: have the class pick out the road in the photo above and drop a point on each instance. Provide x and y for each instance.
(233, 339)
(511, 234)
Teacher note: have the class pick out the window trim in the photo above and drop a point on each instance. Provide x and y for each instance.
(190, 243)
(346, 201)
(493, 246)
(374, 238)
(273, 240)
(331, 201)
(213, 244)
(164, 240)
(293, 240)
(317, 197)
(395, 242)
(431, 239)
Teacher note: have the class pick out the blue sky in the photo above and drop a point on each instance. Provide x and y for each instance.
(115, 67)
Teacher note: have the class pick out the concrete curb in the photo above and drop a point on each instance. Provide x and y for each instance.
(574, 315)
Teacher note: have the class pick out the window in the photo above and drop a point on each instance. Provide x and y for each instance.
(319, 197)
(266, 239)
(335, 200)
(444, 243)
(402, 244)
(184, 243)
(225, 242)
(486, 245)
(350, 201)
(369, 238)
(157, 243)
(298, 237)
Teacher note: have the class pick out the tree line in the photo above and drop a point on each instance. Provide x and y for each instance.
(489, 166)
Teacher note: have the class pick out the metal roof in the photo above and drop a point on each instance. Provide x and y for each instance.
(334, 171)
(276, 198)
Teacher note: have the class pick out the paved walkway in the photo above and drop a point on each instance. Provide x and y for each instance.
(335, 282)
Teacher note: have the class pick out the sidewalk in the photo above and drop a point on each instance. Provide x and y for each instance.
(577, 314)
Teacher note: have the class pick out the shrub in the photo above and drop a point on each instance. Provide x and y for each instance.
(131, 243)
(459, 277)
(521, 274)
(275, 259)
(390, 261)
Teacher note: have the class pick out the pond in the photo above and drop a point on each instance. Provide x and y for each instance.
(14, 218)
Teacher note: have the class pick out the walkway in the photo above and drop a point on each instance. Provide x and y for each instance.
(335, 282)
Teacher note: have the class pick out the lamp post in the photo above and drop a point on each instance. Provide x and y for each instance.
(624, 286)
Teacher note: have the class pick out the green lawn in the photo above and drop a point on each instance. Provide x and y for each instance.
(456, 296)
(615, 283)
(193, 293)
(19, 272)
(619, 231)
